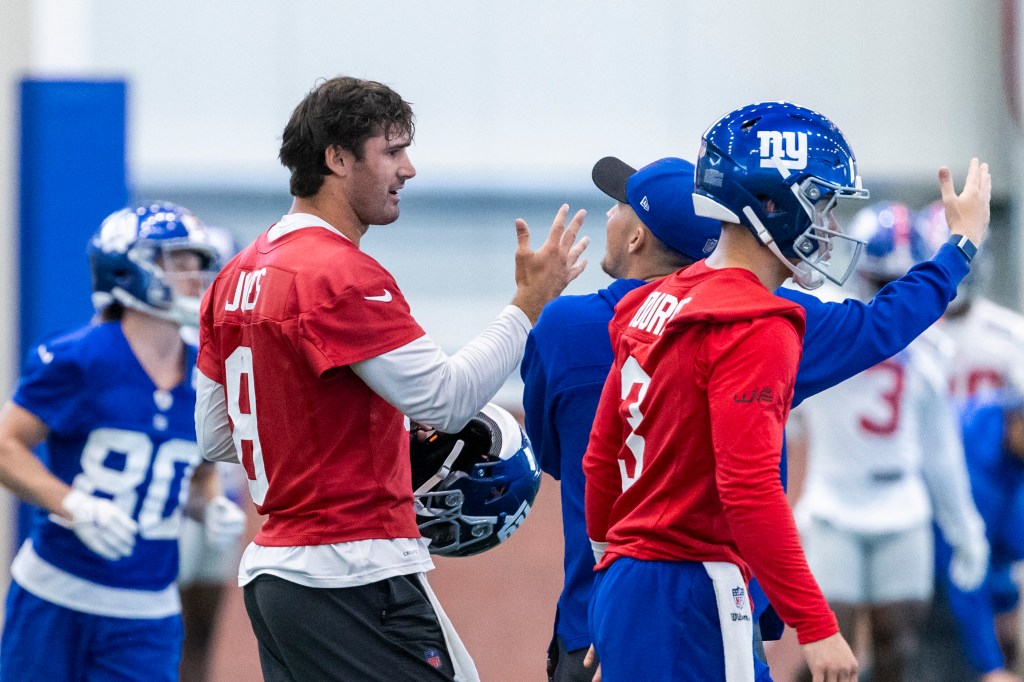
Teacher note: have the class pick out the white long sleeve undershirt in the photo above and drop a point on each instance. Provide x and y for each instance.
(419, 379)
(444, 392)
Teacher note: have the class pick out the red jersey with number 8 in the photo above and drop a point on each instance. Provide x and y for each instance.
(327, 459)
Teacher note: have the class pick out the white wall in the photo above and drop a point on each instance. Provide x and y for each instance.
(14, 58)
(532, 92)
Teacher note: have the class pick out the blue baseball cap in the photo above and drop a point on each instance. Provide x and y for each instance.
(661, 193)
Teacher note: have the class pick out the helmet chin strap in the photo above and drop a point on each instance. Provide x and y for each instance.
(803, 273)
(443, 471)
(806, 276)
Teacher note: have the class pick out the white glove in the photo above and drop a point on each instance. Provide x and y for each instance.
(223, 522)
(969, 565)
(598, 548)
(99, 524)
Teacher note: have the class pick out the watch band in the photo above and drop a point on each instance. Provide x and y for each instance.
(965, 245)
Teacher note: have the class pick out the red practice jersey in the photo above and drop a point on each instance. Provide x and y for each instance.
(326, 457)
(683, 460)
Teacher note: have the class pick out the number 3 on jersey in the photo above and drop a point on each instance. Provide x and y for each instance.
(241, 391)
(634, 387)
(892, 376)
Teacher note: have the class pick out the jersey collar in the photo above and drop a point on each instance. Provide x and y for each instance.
(297, 221)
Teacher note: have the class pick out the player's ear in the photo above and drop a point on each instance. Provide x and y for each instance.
(336, 158)
(638, 237)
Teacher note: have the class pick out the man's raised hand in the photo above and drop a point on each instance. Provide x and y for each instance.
(543, 274)
(967, 213)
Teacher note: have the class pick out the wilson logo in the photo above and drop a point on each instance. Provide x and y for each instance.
(247, 290)
(789, 148)
(761, 396)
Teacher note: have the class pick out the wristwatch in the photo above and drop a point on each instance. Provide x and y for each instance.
(965, 245)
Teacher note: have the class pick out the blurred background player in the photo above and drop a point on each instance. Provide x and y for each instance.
(208, 553)
(569, 353)
(988, 344)
(93, 593)
(988, 618)
(208, 546)
(884, 452)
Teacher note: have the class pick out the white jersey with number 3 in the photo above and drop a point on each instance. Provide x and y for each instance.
(874, 437)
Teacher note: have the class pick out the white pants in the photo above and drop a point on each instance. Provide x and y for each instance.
(859, 568)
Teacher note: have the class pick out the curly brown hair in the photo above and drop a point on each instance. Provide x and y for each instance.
(342, 111)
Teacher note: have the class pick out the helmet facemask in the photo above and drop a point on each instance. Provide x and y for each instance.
(473, 489)
(180, 272)
(823, 249)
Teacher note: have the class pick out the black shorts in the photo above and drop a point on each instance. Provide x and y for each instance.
(385, 631)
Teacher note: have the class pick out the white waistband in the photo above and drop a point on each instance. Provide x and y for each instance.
(344, 564)
(59, 587)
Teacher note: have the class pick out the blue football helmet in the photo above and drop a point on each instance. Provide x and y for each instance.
(780, 169)
(224, 242)
(134, 261)
(474, 488)
(894, 240)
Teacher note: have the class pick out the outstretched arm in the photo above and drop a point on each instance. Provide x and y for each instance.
(843, 339)
(445, 392)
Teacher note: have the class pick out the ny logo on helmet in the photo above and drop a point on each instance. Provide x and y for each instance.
(513, 521)
(789, 147)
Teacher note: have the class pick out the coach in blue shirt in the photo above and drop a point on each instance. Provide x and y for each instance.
(652, 231)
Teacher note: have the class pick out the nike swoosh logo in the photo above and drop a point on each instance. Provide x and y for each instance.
(44, 355)
(383, 298)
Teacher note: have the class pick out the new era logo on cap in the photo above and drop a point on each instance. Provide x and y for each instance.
(646, 204)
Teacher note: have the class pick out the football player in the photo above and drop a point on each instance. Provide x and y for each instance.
(885, 457)
(93, 593)
(309, 358)
(683, 498)
(568, 353)
(988, 618)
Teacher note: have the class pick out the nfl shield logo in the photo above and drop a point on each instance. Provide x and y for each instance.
(738, 594)
(433, 657)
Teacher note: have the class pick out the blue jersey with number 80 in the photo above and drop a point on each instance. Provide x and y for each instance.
(115, 435)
